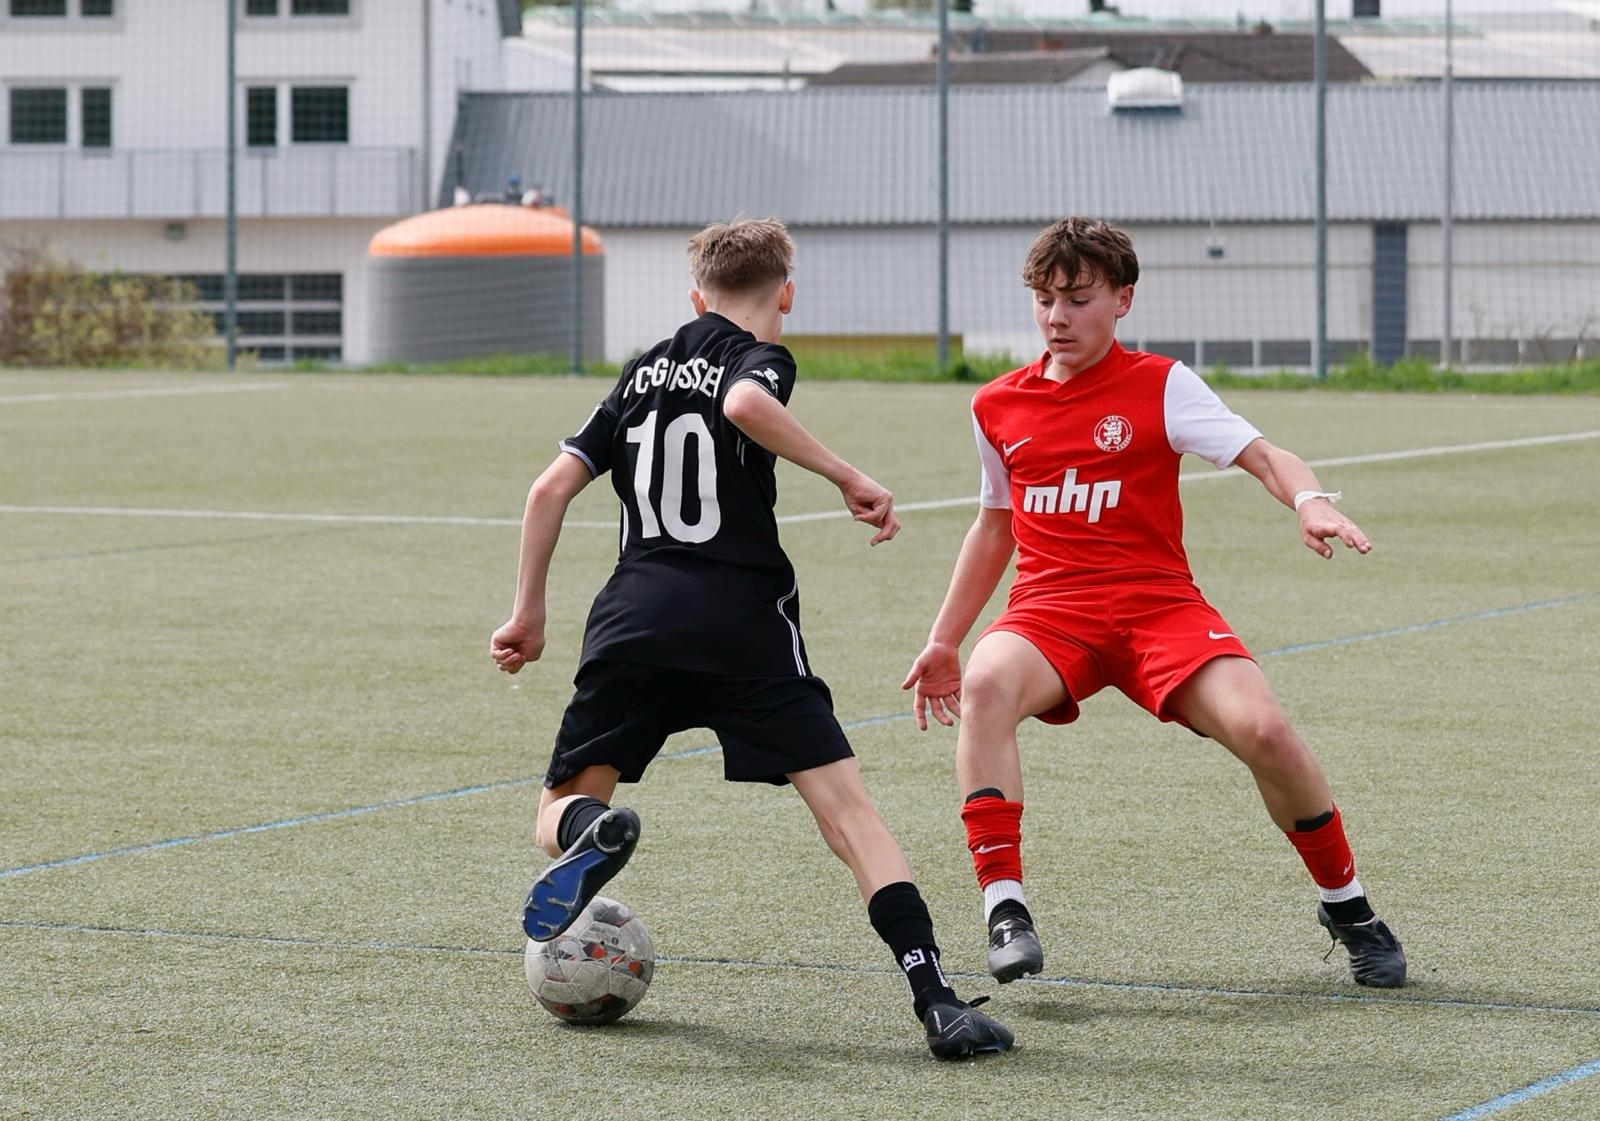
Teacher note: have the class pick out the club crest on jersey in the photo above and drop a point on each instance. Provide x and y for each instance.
(1113, 433)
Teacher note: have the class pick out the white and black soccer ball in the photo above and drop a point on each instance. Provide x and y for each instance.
(597, 969)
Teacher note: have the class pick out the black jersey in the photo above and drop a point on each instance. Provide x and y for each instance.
(701, 581)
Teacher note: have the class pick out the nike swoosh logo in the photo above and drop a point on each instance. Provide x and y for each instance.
(994, 848)
(1007, 451)
(1214, 635)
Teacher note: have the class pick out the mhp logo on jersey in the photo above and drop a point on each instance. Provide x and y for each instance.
(1072, 496)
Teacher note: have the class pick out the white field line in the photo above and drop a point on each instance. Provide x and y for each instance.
(1236, 473)
(814, 516)
(152, 391)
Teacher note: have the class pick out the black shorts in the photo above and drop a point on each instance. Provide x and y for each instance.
(769, 727)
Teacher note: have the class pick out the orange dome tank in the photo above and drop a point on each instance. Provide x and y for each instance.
(485, 229)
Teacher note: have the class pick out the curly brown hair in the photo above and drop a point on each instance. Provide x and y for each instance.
(1085, 250)
(731, 258)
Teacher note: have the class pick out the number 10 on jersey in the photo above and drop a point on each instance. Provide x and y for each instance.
(674, 448)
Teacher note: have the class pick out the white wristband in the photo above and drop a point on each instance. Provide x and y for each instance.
(1307, 495)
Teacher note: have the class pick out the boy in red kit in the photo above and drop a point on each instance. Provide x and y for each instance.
(1080, 456)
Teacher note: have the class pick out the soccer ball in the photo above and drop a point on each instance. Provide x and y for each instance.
(597, 969)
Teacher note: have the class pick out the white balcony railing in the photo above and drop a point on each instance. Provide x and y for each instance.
(331, 181)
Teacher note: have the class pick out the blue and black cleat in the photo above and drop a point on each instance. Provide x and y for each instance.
(559, 895)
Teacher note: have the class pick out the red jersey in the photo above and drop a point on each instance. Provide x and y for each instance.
(1089, 466)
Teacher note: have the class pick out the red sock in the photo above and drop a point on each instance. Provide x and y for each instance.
(1326, 853)
(994, 835)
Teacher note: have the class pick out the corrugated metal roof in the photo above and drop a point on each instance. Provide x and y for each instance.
(867, 156)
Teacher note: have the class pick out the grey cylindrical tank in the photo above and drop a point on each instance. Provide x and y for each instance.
(482, 279)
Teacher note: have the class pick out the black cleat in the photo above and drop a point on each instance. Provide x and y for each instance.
(959, 1031)
(1376, 958)
(1014, 948)
(564, 890)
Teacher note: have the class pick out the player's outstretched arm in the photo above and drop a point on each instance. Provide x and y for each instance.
(935, 675)
(521, 639)
(763, 418)
(1291, 482)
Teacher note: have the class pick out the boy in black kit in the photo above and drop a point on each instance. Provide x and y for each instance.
(699, 624)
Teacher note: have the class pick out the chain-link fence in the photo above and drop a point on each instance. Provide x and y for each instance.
(1385, 178)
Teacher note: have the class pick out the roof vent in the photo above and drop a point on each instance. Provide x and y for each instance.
(1145, 88)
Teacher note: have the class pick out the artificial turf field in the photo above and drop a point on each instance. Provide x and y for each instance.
(266, 812)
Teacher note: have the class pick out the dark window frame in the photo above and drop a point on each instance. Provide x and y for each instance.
(261, 131)
(13, 5)
(15, 115)
(62, 9)
(307, 120)
(295, 9)
(95, 134)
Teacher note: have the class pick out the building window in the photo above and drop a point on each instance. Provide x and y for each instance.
(96, 116)
(272, 8)
(1233, 353)
(319, 114)
(38, 116)
(89, 9)
(261, 116)
(280, 318)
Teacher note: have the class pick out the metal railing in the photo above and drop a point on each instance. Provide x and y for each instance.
(323, 181)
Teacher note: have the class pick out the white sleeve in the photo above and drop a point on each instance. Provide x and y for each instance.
(1198, 421)
(994, 491)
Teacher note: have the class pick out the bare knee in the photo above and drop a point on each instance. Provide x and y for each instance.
(1266, 741)
(547, 829)
(989, 694)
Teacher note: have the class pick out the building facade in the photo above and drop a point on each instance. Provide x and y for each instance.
(113, 144)
(1219, 194)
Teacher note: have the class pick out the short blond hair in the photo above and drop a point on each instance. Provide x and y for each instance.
(745, 255)
(1084, 250)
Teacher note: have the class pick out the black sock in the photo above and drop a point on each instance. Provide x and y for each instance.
(901, 919)
(1009, 909)
(986, 792)
(1356, 910)
(576, 818)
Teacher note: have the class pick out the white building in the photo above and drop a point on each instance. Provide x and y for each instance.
(114, 135)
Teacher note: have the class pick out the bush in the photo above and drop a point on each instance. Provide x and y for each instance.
(54, 313)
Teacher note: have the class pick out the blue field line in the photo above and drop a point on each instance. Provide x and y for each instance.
(1528, 1092)
(1418, 628)
(378, 946)
(334, 815)
(285, 823)
(689, 753)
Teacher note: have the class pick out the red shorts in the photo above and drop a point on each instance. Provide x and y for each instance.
(1145, 639)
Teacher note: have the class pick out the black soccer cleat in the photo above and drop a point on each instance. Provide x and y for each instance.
(1014, 948)
(1376, 958)
(559, 896)
(956, 1030)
